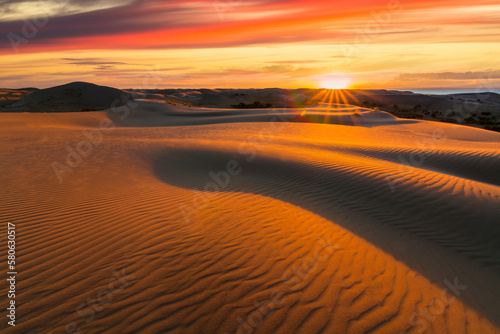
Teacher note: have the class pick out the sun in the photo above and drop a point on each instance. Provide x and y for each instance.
(334, 81)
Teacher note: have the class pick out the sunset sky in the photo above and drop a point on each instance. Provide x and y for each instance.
(395, 44)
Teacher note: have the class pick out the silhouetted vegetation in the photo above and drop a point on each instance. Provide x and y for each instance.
(94, 109)
(255, 105)
(182, 103)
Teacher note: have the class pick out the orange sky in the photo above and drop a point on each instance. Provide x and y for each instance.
(250, 43)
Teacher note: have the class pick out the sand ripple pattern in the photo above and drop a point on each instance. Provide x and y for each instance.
(332, 235)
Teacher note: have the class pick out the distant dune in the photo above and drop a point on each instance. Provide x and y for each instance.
(480, 110)
(151, 113)
(156, 218)
(472, 109)
(76, 96)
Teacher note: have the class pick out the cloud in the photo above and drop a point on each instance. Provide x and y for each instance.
(156, 24)
(287, 70)
(484, 75)
(310, 61)
(12, 10)
(92, 61)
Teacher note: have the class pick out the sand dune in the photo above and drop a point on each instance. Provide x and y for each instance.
(473, 109)
(155, 113)
(316, 220)
(75, 96)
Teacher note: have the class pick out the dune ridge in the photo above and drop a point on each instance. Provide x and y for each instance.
(329, 229)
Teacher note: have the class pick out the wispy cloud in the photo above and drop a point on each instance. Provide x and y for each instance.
(92, 61)
(491, 74)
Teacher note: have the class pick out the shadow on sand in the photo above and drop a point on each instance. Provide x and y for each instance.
(364, 205)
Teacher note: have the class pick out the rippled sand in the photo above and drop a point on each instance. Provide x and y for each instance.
(186, 220)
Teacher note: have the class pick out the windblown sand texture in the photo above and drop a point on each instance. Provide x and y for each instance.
(334, 220)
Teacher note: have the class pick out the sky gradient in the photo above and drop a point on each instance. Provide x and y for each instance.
(394, 44)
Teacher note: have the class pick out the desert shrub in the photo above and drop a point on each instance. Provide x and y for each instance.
(492, 128)
(449, 120)
(254, 105)
(174, 102)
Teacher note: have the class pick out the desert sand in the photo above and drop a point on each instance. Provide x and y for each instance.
(156, 218)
